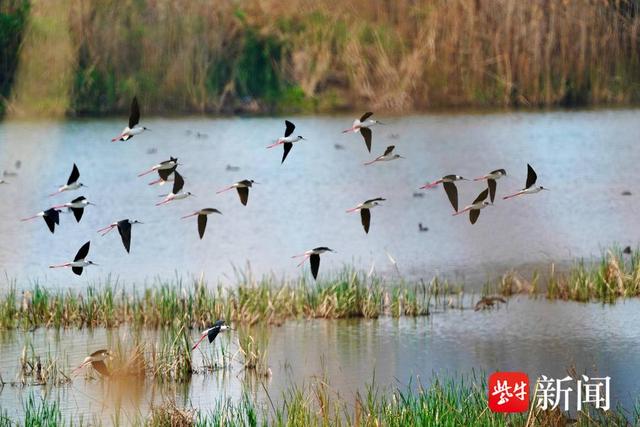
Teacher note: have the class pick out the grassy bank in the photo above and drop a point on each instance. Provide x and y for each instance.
(269, 56)
(445, 403)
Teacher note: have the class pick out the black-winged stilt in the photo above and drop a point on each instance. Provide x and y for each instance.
(124, 229)
(288, 139)
(96, 360)
(365, 211)
(176, 192)
(450, 188)
(202, 218)
(72, 182)
(363, 126)
(165, 175)
(76, 206)
(134, 128)
(164, 165)
(530, 187)
(491, 178)
(243, 189)
(79, 262)
(387, 156)
(51, 218)
(212, 332)
(313, 255)
(474, 209)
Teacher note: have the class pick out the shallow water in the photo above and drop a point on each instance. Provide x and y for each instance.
(587, 159)
(534, 336)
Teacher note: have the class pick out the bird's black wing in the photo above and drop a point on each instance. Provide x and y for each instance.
(50, 220)
(289, 128)
(77, 270)
(482, 196)
(492, 189)
(78, 199)
(124, 228)
(213, 333)
(83, 252)
(377, 199)
(452, 194)
(77, 212)
(243, 192)
(134, 116)
(219, 322)
(287, 147)
(366, 134)
(389, 150)
(164, 174)
(202, 224)
(178, 183)
(365, 215)
(314, 260)
(531, 176)
(75, 174)
(365, 116)
(502, 171)
(53, 213)
(473, 215)
(101, 368)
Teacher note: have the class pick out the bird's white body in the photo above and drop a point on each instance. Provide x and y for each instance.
(476, 206)
(494, 176)
(388, 157)
(368, 205)
(170, 197)
(70, 187)
(289, 139)
(128, 132)
(357, 124)
(531, 190)
(80, 263)
(81, 204)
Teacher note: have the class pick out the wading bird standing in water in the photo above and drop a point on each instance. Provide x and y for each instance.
(313, 255)
(76, 206)
(124, 228)
(474, 209)
(79, 262)
(72, 182)
(363, 126)
(491, 178)
(450, 188)
(212, 332)
(176, 192)
(243, 189)
(288, 139)
(96, 359)
(164, 165)
(387, 156)
(202, 218)
(530, 187)
(134, 128)
(51, 218)
(365, 212)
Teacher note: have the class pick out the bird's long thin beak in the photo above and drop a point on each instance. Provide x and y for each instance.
(92, 204)
(380, 123)
(93, 263)
(401, 157)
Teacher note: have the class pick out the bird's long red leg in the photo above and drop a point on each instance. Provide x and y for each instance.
(147, 172)
(60, 265)
(431, 184)
(371, 162)
(167, 200)
(54, 194)
(353, 209)
(481, 178)
(30, 218)
(58, 206)
(80, 367)
(512, 195)
(189, 216)
(462, 211)
(225, 189)
(106, 229)
(199, 341)
(306, 257)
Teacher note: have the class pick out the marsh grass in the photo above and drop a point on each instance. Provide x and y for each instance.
(253, 346)
(36, 370)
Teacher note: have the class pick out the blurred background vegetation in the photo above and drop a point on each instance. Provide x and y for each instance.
(270, 56)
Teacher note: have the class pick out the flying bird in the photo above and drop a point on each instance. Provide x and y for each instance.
(243, 189)
(134, 128)
(450, 188)
(164, 165)
(76, 206)
(79, 262)
(212, 332)
(51, 218)
(165, 175)
(96, 360)
(491, 178)
(365, 211)
(288, 139)
(124, 229)
(474, 209)
(363, 125)
(313, 255)
(387, 156)
(72, 182)
(202, 218)
(176, 192)
(530, 187)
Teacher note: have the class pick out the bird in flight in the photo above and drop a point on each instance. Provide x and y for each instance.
(363, 125)
(243, 189)
(76, 206)
(365, 211)
(288, 139)
(124, 229)
(491, 178)
(96, 360)
(176, 192)
(530, 186)
(79, 262)
(72, 182)
(202, 218)
(165, 175)
(450, 188)
(387, 156)
(164, 165)
(134, 127)
(313, 255)
(51, 218)
(474, 209)
(212, 332)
